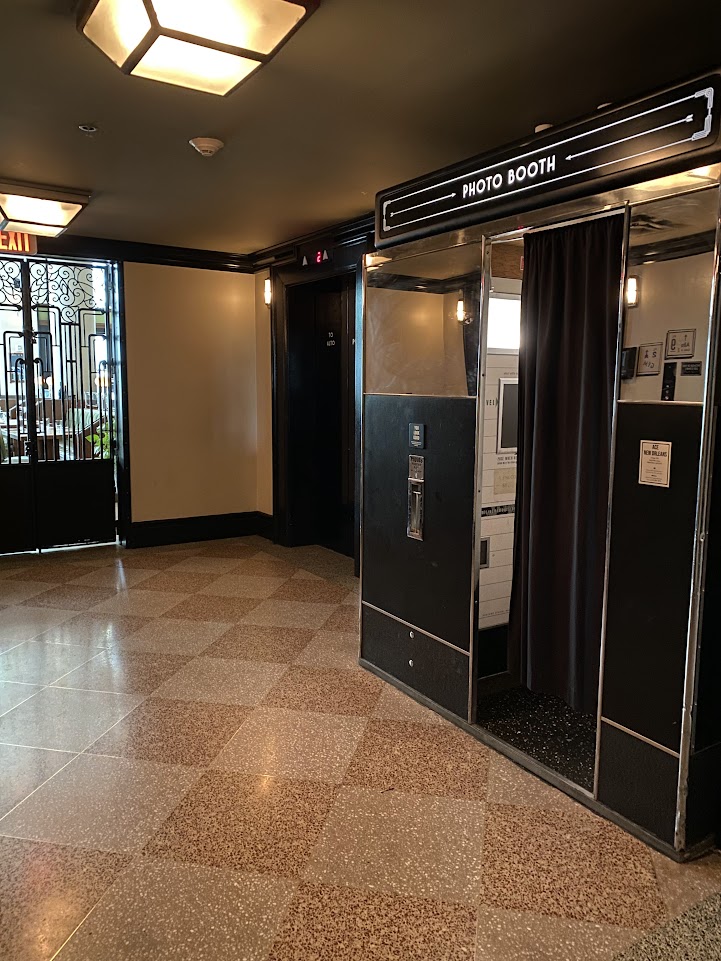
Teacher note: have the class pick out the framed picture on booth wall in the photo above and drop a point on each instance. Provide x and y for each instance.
(650, 359)
(681, 343)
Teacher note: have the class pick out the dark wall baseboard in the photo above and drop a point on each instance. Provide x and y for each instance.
(205, 528)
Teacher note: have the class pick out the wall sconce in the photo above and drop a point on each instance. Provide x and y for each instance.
(460, 309)
(42, 211)
(632, 291)
(208, 45)
(267, 292)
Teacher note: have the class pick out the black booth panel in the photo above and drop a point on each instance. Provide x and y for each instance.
(424, 664)
(428, 582)
(652, 539)
(703, 808)
(638, 781)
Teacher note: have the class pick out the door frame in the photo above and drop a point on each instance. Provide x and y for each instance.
(114, 341)
(347, 259)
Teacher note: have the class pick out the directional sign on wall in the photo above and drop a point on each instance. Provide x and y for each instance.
(604, 151)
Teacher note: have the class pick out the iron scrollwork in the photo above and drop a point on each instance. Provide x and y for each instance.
(67, 287)
(10, 284)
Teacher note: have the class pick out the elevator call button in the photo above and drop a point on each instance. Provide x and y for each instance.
(417, 435)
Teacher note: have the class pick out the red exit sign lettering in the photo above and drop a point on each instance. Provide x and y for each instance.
(14, 242)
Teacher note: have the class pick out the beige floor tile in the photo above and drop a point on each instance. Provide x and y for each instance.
(106, 803)
(394, 705)
(169, 635)
(683, 885)
(423, 847)
(71, 597)
(94, 630)
(13, 693)
(23, 769)
(33, 662)
(123, 672)
(278, 613)
(116, 577)
(332, 649)
(158, 911)
(48, 571)
(311, 590)
(255, 643)
(23, 623)
(510, 784)
(230, 548)
(326, 691)
(172, 732)
(15, 592)
(244, 585)
(204, 607)
(327, 923)
(205, 565)
(221, 681)
(45, 892)
(344, 618)
(137, 602)
(179, 582)
(64, 720)
(519, 936)
(259, 824)
(293, 744)
(420, 759)
(265, 565)
(562, 865)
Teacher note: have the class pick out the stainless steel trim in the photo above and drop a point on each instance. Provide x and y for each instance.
(610, 211)
(639, 737)
(611, 475)
(414, 627)
(361, 472)
(708, 423)
(383, 393)
(664, 403)
(477, 471)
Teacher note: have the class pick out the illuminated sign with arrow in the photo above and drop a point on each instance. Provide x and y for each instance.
(604, 151)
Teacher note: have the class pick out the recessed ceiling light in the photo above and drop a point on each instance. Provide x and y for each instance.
(208, 45)
(88, 128)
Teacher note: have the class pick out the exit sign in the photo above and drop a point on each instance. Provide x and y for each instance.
(316, 257)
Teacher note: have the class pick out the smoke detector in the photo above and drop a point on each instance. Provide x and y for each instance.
(206, 146)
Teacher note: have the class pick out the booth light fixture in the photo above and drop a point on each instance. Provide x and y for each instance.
(460, 308)
(42, 211)
(632, 291)
(208, 45)
(267, 292)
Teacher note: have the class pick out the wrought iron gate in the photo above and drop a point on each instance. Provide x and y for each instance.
(57, 427)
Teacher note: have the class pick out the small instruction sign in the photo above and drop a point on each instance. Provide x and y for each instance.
(655, 463)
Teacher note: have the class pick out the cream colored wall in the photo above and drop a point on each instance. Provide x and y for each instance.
(673, 295)
(264, 397)
(192, 392)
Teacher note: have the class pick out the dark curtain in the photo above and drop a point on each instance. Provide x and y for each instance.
(569, 320)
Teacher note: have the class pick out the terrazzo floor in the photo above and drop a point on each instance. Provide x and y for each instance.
(194, 767)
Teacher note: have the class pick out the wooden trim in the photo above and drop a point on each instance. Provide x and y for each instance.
(95, 248)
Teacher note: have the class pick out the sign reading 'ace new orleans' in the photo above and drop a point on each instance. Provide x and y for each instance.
(604, 151)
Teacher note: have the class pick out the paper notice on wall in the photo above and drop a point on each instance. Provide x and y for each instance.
(504, 481)
(654, 466)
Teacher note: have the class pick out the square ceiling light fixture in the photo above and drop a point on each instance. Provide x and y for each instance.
(208, 45)
(42, 211)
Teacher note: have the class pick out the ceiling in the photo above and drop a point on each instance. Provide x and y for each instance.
(367, 94)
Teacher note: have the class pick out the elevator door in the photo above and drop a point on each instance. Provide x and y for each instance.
(57, 482)
(321, 422)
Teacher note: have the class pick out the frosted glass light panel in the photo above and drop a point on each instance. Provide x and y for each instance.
(208, 45)
(504, 322)
(422, 324)
(665, 333)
